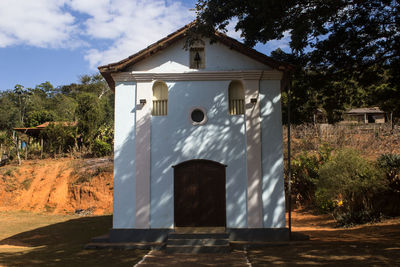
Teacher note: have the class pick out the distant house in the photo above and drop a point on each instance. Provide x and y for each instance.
(365, 115)
(319, 116)
(35, 131)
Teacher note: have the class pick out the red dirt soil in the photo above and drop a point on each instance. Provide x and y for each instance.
(58, 186)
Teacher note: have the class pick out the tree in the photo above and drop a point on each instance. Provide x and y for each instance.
(36, 118)
(347, 42)
(89, 116)
(9, 114)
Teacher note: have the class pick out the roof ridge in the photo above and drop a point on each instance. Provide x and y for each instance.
(163, 43)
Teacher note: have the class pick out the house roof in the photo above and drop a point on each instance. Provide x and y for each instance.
(35, 130)
(107, 70)
(364, 110)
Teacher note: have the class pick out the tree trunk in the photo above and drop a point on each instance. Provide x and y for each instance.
(19, 158)
(391, 120)
(41, 148)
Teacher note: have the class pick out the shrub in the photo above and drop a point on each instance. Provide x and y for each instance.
(390, 165)
(304, 177)
(389, 201)
(305, 174)
(101, 148)
(58, 137)
(350, 185)
(38, 117)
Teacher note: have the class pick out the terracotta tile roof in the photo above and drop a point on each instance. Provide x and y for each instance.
(42, 126)
(64, 123)
(107, 70)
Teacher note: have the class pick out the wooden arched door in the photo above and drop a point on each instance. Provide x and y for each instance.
(199, 194)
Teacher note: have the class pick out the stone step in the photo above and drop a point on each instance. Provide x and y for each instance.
(197, 242)
(175, 235)
(186, 242)
(101, 239)
(125, 245)
(198, 249)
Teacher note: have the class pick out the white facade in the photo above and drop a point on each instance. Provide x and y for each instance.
(249, 144)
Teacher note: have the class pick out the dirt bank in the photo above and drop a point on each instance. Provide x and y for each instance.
(58, 186)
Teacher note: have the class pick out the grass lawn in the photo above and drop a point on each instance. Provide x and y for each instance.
(32, 239)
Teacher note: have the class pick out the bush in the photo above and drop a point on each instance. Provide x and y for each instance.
(58, 137)
(389, 201)
(101, 148)
(38, 117)
(390, 165)
(350, 185)
(305, 175)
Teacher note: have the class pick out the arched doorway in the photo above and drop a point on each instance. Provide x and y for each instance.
(199, 194)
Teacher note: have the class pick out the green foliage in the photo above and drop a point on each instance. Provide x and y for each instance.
(390, 165)
(89, 116)
(305, 174)
(3, 138)
(8, 111)
(59, 138)
(351, 185)
(101, 148)
(90, 103)
(348, 33)
(304, 177)
(346, 53)
(389, 200)
(38, 117)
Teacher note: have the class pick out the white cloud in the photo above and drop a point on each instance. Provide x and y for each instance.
(282, 43)
(40, 23)
(132, 24)
(129, 25)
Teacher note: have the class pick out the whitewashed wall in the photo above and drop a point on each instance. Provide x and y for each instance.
(173, 139)
(218, 57)
(124, 205)
(273, 195)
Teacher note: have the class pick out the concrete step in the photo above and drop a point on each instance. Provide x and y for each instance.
(125, 245)
(178, 242)
(100, 239)
(198, 242)
(198, 249)
(175, 235)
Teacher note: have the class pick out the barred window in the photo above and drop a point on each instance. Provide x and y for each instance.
(160, 99)
(236, 98)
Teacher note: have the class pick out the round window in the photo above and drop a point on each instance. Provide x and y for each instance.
(198, 116)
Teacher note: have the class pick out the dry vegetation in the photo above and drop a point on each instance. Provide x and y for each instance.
(371, 140)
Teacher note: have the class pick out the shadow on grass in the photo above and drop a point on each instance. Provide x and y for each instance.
(370, 245)
(61, 244)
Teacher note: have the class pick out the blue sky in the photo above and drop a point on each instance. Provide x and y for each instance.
(59, 40)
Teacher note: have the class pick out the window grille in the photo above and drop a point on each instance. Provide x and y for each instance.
(236, 98)
(160, 99)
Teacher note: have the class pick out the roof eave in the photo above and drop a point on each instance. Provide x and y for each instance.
(107, 70)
